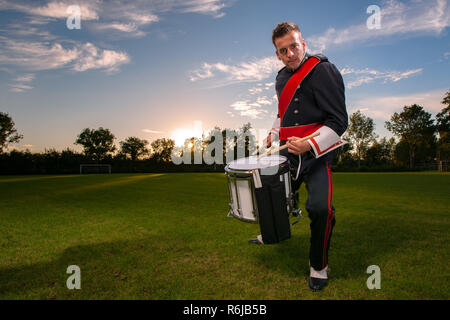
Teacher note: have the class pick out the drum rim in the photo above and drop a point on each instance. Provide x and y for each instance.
(256, 220)
(248, 172)
(284, 158)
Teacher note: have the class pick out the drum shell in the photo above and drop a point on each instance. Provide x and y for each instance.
(241, 187)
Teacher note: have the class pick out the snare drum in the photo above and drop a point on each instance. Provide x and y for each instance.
(241, 184)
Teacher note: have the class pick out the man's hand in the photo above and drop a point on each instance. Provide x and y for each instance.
(297, 147)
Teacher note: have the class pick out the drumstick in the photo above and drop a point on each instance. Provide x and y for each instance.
(257, 148)
(285, 146)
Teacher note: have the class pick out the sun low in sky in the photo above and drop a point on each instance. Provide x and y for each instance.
(180, 135)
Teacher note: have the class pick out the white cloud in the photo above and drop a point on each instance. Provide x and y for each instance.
(414, 18)
(249, 109)
(124, 27)
(151, 131)
(254, 70)
(28, 45)
(35, 55)
(264, 101)
(213, 7)
(261, 87)
(19, 87)
(128, 22)
(384, 107)
(204, 73)
(43, 56)
(27, 30)
(120, 17)
(25, 78)
(53, 9)
(253, 91)
(141, 18)
(253, 109)
(19, 83)
(396, 76)
(361, 76)
(93, 58)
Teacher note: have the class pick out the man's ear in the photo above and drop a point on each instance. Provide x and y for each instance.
(278, 56)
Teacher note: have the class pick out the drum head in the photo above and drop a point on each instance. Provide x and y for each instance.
(252, 163)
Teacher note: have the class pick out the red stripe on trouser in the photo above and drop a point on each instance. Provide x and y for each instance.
(329, 219)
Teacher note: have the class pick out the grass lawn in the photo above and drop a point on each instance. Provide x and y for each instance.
(167, 236)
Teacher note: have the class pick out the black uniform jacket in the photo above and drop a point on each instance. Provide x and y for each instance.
(320, 98)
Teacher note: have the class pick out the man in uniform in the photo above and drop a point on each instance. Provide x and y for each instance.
(317, 105)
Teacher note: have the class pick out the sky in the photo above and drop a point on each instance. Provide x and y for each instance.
(176, 68)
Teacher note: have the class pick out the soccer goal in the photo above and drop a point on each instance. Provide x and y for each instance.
(95, 168)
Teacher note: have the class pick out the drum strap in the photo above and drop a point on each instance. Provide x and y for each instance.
(294, 83)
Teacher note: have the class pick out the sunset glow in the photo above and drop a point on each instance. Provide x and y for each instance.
(180, 135)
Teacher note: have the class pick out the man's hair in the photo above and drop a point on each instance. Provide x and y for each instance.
(282, 29)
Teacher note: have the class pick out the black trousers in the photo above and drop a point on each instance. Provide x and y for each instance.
(316, 174)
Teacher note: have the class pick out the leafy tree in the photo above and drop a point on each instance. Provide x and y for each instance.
(443, 127)
(380, 152)
(247, 138)
(360, 132)
(134, 147)
(446, 99)
(162, 149)
(343, 154)
(229, 142)
(391, 147)
(195, 146)
(8, 134)
(212, 135)
(414, 126)
(96, 143)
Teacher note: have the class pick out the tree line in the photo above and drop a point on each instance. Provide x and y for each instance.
(421, 139)
(420, 142)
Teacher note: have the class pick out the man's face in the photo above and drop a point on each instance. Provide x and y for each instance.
(290, 49)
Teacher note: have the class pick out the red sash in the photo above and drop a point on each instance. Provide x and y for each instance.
(299, 131)
(286, 97)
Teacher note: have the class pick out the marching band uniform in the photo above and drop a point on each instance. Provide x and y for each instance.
(318, 105)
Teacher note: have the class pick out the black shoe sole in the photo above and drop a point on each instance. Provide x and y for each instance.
(316, 284)
(254, 241)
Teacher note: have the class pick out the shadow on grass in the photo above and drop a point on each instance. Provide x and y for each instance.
(355, 245)
(176, 267)
(106, 270)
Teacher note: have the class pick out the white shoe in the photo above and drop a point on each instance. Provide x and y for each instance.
(257, 240)
(321, 274)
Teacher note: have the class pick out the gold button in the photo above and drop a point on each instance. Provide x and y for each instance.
(296, 111)
(296, 99)
(297, 124)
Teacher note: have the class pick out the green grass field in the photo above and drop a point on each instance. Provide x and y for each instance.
(166, 236)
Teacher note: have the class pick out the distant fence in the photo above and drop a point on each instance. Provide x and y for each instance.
(25, 163)
(442, 166)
